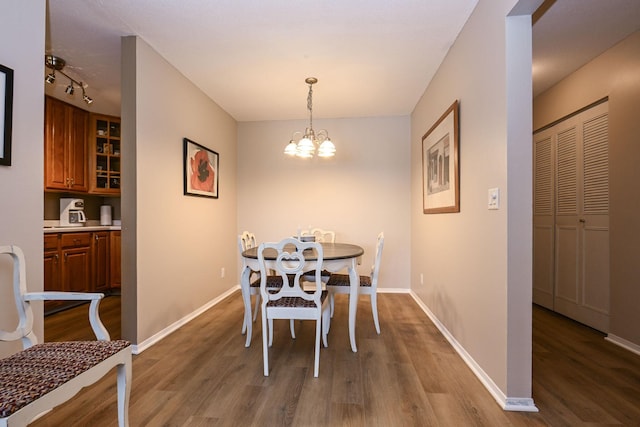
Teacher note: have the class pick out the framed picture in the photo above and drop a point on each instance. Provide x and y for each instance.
(6, 114)
(200, 170)
(440, 165)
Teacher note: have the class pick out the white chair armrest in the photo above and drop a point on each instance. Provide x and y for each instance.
(67, 296)
(94, 317)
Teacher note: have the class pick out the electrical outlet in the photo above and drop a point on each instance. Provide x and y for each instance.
(421, 279)
(494, 199)
(222, 273)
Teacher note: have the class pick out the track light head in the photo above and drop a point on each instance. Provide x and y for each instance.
(69, 90)
(51, 77)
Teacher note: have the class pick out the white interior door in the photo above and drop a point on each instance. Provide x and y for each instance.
(543, 218)
(571, 245)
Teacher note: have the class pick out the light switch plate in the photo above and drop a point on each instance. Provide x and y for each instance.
(494, 199)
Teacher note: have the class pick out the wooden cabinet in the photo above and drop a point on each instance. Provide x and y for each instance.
(104, 152)
(116, 271)
(65, 148)
(80, 262)
(76, 262)
(100, 258)
(52, 269)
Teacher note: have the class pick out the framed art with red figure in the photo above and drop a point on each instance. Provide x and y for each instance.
(200, 170)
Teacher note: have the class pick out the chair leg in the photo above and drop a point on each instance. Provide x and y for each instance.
(292, 327)
(255, 310)
(326, 323)
(316, 362)
(124, 391)
(265, 345)
(270, 332)
(244, 320)
(331, 303)
(374, 310)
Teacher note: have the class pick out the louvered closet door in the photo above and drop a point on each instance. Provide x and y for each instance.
(574, 268)
(543, 219)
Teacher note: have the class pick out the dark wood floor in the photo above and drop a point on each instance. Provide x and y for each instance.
(202, 375)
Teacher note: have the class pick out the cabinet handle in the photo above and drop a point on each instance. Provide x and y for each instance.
(56, 258)
(66, 255)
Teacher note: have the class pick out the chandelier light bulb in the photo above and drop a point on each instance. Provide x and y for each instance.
(291, 148)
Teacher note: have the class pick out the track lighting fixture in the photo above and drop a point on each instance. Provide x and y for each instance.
(56, 63)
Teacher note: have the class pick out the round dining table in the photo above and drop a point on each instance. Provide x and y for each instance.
(337, 257)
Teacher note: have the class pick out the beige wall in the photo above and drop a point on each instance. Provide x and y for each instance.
(616, 74)
(21, 184)
(174, 246)
(362, 191)
(477, 263)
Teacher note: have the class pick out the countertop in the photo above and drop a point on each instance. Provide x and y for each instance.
(54, 227)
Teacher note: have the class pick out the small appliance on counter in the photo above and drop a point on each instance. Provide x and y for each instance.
(105, 215)
(72, 213)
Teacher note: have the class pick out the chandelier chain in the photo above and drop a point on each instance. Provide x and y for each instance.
(310, 105)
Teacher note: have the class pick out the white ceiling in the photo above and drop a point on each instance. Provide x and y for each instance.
(371, 57)
(572, 32)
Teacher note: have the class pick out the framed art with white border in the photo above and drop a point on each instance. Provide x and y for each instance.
(440, 164)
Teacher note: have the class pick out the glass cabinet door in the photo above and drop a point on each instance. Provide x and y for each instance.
(105, 148)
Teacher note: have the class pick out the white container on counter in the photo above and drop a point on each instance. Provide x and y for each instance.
(105, 215)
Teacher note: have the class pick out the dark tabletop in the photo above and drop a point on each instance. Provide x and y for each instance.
(332, 251)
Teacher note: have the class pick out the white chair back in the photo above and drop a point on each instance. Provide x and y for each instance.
(375, 268)
(246, 240)
(322, 236)
(24, 330)
(291, 265)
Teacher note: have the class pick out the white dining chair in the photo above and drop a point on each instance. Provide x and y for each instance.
(328, 236)
(321, 236)
(291, 301)
(339, 284)
(247, 240)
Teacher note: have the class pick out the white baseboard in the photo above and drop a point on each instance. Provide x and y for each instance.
(394, 291)
(139, 348)
(627, 345)
(521, 404)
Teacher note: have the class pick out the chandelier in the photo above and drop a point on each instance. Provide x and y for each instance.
(310, 141)
(55, 63)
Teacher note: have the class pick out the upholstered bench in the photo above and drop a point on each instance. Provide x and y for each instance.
(42, 376)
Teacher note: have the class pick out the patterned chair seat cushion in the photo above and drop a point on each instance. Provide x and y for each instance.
(272, 281)
(30, 374)
(343, 280)
(296, 301)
